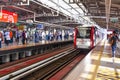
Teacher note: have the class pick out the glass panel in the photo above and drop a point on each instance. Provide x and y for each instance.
(83, 32)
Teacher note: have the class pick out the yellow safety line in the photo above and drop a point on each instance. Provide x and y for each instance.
(97, 66)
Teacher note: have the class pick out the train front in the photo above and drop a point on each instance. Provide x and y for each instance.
(83, 38)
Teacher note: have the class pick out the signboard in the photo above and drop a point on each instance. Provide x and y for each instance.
(114, 19)
(40, 26)
(7, 16)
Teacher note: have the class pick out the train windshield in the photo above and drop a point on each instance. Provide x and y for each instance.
(83, 32)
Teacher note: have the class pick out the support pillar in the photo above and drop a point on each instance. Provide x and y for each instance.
(5, 58)
(22, 55)
(28, 53)
(14, 56)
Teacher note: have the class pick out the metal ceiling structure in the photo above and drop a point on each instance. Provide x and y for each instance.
(38, 13)
(105, 13)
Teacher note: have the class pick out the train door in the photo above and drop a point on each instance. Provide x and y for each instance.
(92, 37)
(75, 33)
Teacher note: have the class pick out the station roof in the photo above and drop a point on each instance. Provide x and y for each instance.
(39, 12)
(103, 12)
(75, 12)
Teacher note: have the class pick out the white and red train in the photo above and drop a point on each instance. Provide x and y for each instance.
(86, 37)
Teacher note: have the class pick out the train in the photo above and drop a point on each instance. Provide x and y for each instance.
(87, 37)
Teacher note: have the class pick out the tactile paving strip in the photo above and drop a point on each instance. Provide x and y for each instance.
(109, 68)
(105, 73)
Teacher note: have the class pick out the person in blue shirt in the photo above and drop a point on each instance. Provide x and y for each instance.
(36, 37)
(114, 40)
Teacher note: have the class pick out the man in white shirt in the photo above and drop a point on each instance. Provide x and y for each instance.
(7, 37)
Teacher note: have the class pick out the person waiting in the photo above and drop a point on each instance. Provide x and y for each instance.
(1, 39)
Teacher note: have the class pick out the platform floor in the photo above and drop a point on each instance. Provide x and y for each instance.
(15, 45)
(109, 68)
(98, 65)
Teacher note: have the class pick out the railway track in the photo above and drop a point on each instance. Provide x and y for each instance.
(35, 56)
(11, 70)
(49, 68)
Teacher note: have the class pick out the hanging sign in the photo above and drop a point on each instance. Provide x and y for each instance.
(114, 19)
(7, 16)
(40, 26)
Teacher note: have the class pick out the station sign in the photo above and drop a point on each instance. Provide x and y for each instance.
(7, 16)
(114, 19)
(40, 26)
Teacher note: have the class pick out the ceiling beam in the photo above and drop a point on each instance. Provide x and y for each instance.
(107, 8)
(112, 4)
(94, 16)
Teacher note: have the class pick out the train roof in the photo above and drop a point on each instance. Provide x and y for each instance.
(89, 26)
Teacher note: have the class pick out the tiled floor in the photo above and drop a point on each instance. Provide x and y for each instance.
(87, 68)
(98, 65)
(109, 68)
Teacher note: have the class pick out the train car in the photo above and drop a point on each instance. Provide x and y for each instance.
(86, 37)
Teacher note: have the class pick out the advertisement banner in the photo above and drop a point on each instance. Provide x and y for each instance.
(7, 16)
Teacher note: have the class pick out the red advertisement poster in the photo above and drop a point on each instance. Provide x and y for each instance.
(7, 16)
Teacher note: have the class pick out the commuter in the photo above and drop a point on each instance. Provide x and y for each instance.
(43, 36)
(17, 36)
(1, 39)
(66, 35)
(11, 36)
(27, 35)
(7, 37)
(36, 37)
(40, 36)
(51, 36)
(47, 35)
(23, 37)
(56, 35)
(60, 35)
(113, 41)
(31, 36)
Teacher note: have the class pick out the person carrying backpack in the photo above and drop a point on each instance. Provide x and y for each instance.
(113, 42)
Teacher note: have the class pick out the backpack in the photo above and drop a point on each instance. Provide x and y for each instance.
(111, 41)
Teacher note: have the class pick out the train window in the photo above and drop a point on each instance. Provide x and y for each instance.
(83, 33)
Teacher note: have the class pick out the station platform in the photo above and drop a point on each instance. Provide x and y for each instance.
(15, 52)
(98, 65)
